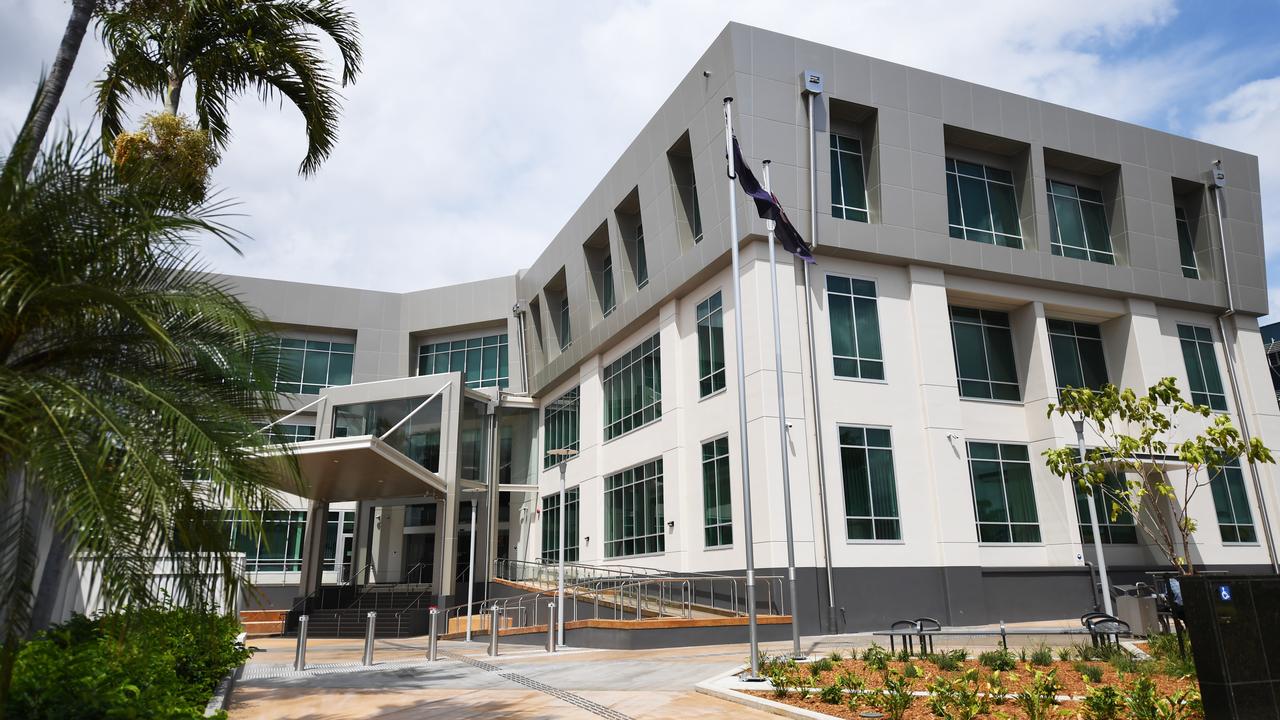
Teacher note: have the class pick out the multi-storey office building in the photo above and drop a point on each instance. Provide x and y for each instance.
(977, 250)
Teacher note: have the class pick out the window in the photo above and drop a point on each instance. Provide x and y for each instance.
(309, 366)
(560, 427)
(1079, 223)
(1235, 522)
(481, 360)
(688, 215)
(1186, 246)
(1202, 367)
(277, 548)
(1077, 354)
(642, 261)
(1003, 497)
(984, 354)
(982, 205)
(551, 527)
(855, 328)
(633, 389)
(717, 518)
(848, 187)
(339, 528)
(287, 433)
(870, 493)
(607, 301)
(633, 511)
(710, 346)
(566, 334)
(1114, 530)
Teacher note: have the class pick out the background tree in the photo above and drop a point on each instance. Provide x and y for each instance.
(225, 47)
(132, 387)
(1139, 438)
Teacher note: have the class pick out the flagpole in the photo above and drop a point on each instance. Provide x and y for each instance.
(782, 435)
(742, 395)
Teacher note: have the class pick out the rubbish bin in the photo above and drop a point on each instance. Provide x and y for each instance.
(1136, 606)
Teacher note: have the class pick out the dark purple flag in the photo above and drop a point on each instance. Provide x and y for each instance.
(769, 208)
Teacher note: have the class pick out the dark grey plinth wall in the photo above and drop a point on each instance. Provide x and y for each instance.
(1234, 624)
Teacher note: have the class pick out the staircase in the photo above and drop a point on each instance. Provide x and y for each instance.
(342, 611)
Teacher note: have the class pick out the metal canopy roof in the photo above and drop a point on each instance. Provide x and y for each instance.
(361, 468)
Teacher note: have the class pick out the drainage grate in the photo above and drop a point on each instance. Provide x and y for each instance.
(572, 698)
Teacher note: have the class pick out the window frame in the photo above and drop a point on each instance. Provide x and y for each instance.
(1101, 495)
(953, 171)
(1056, 246)
(982, 324)
(1076, 338)
(432, 352)
(866, 447)
(714, 382)
(1186, 243)
(1199, 347)
(304, 346)
(723, 524)
(857, 360)
(623, 485)
(841, 210)
(572, 540)
(1236, 525)
(563, 405)
(1008, 523)
(645, 355)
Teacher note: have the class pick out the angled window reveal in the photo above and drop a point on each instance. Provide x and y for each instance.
(1078, 220)
(982, 205)
(1186, 245)
(985, 365)
(1077, 354)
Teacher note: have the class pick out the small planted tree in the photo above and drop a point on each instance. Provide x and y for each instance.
(1163, 466)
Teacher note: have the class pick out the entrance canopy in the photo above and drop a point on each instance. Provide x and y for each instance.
(362, 468)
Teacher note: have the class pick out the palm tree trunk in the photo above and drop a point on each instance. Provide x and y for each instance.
(32, 134)
(174, 95)
(17, 572)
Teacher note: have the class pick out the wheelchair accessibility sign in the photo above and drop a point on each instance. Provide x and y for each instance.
(1224, 593)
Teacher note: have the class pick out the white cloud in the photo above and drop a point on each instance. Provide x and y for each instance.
(478, 128)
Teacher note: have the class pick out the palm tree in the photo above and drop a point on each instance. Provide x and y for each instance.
(225, 47)
(131, 388)
(51, 90)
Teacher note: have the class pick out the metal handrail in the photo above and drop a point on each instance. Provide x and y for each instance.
(418, 567)
(367, 566)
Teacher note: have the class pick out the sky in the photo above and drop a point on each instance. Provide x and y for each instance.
(476, 129)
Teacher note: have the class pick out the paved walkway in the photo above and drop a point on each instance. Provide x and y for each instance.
(522, 682)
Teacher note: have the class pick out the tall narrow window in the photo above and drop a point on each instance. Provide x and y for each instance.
(870, 493)
(481, 360)
(1202, 367)
(1078, 220)
(710, 346)
(642, 260)
(633, 520)
(1003, 496)
(855, 328)
(551, 526)
(566, 333)
(1186, 246)
(1078, 360)
(606, 286)
(982, 205)
(309, 366)
(984, 354)
(560, 427)
(717, 523)
(633, 389)
(688, 215)
(1115, 524)
(848, 186)
(1235, 521)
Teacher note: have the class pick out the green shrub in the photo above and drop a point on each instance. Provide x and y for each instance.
(1171, 659)
(945, 662)
(1091, 673)
(1022, 654)
(1123, 662)
(817, 667)
(996, 689)
(1102, 702)
(896, 697)
(851, 682)
(835, 656)
(877, 658)
(1144, 702)
(904, 655)
(911, 670)
(958, 698)
(1002, 660)
(1042, 656)
(831, 694)
(162, 663)
(1065, 654)
(1038, 699)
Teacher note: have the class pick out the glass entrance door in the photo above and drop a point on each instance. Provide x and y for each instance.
(419, 557)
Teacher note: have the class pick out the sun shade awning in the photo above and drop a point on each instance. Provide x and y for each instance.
(360, 468)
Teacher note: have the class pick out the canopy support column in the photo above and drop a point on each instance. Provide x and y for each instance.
(313, 547)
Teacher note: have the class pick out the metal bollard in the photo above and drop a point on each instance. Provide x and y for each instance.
(551, 627)
(493, 631)
(433, 636)
(300, 653)
(368, 638)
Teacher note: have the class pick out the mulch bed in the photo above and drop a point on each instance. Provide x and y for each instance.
(1014, 680)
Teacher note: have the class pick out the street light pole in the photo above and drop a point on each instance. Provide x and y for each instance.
(563, 454)
(1093, 522)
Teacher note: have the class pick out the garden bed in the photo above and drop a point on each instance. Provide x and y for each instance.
(1007, 684)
